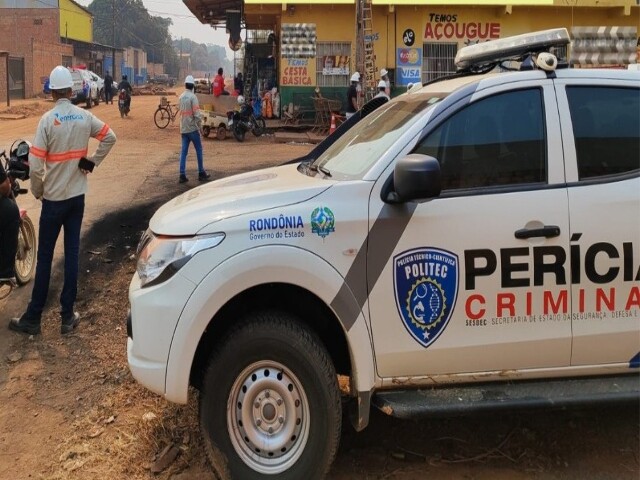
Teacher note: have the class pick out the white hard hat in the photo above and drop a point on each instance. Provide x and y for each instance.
(383, 72)
(60, 78)
(355, 77)
(382, 84)
(240, 99)
(189, 79)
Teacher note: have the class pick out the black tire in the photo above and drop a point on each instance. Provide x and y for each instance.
(206, 131)
(121, 112)
(26, 255)
(162, 117)
(260, 126)
(97, 100)
(238, 132)
(88, 102)
(101, 95)
(221, 132)
(280, 372)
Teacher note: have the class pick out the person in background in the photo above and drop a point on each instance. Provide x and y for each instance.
(190, 124)
(108, 88)
(384, 74)
(58, 170)
(352, 95)
(126, 86)
(9, 226)
(218, 84)
(382, 90)
(238, 84)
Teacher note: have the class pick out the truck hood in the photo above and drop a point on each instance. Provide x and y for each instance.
(251, 192)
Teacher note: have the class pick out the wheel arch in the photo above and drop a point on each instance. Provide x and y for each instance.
(248, 282)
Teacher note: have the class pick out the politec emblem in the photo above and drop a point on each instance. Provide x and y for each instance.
(322, 221)
(426, 287)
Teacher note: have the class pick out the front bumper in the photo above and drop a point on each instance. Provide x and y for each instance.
(155, 312)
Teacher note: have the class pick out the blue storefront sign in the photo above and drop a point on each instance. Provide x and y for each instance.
(409, 65)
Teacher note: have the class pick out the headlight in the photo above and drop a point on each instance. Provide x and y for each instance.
(160, 257)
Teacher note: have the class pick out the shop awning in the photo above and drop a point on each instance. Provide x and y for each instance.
(212, 12)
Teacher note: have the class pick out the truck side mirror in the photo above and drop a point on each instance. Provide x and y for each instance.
(415, 178)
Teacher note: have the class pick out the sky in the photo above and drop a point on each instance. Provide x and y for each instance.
(184, 23)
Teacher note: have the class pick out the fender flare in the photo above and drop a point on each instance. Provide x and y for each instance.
(252, 268)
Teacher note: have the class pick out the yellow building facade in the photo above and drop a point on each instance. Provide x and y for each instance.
(416, 40)
(76, 22)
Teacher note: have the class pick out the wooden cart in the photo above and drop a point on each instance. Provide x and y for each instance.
(214, 122)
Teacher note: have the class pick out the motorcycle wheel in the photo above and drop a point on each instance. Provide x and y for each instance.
(259, 126)
(89, 103)
(221, 133)
(162, 118)
(238, 132)
(121, 113)
(26, 255)
(206, 131)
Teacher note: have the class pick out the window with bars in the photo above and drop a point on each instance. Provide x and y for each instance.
(438, 60)
(324, 49)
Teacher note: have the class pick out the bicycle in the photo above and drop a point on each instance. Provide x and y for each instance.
(165, 113)
(26, 255)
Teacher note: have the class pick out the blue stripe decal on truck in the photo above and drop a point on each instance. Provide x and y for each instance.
(635, 361)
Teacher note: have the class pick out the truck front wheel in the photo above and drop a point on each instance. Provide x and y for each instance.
(270, 403)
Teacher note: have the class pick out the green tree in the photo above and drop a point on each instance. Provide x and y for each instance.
(127, 23)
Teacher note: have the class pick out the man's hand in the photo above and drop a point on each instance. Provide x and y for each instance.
(5, 188)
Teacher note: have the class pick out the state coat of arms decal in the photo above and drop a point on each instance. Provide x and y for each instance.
(426, 287)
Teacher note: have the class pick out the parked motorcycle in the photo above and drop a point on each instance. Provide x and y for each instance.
(240, 122)
(17, 168)
(124, 103)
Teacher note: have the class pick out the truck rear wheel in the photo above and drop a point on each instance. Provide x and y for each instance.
(270, 403)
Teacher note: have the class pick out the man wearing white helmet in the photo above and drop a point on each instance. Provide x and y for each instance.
(190, 124)
(382, 90)
(59, 164)
(385, 78)
(352, 95)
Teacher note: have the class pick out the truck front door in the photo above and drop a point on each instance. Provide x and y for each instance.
(475, 280)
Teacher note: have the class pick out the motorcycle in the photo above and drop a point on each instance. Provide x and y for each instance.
(124, 103)
(17, 167)
(244, 120)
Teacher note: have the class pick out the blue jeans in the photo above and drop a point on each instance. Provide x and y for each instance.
(195, 138)
(65, 214)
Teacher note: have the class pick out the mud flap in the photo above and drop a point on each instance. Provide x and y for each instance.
(359, 409)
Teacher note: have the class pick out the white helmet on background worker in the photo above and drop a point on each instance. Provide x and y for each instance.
(189, 79)
(60, 78)
(383, 72)
(382, 84)
(240, 100)
(355, 77)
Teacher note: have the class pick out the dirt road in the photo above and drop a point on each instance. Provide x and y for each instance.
(71, 410)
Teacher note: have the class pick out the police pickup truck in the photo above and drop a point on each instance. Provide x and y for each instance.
(474, 243)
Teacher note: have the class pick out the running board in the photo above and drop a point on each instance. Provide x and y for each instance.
(454, 400)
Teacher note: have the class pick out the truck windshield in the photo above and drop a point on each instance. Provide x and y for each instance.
(353, 154)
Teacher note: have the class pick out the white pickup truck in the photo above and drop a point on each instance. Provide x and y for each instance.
(472, 244)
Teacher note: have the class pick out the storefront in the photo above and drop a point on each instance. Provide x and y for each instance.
(413, 39)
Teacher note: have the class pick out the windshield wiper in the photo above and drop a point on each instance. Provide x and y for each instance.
(315, 168)
(324, 170)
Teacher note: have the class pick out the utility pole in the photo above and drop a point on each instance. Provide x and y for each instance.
(113, 43)
(180, 61)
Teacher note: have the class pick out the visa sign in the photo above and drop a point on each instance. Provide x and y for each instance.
(409, 62)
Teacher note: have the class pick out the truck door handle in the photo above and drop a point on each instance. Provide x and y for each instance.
(547, 231)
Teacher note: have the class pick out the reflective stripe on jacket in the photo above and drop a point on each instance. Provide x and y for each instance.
(61, 140)
(190, 116)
